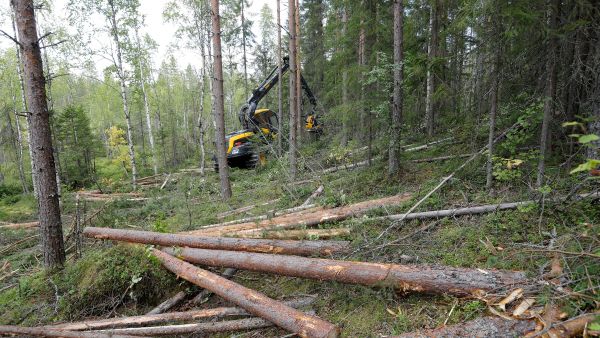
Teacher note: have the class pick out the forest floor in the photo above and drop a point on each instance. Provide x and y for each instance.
(111, 279)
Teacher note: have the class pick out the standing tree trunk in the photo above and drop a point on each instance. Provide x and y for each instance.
(493, 109)
(431, 55)
(19, 145)
(41, 139)
(396, 129)
(219, 105)
(299, 121)
(293, 96)
(24, 107)
(345, 126)
(245, 60)
(279, 83)
(550, 90)
(147, 110)
(121, 74)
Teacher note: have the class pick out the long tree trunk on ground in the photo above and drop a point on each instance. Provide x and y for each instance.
(41, 139)
(396, 128)
(123, 86)
(431, 55)
(147, 110)
(550, 89)
(219, 107)
(279, 83)
(293, 97)
(19, 145)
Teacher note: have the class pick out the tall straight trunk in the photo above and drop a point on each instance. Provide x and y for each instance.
(550, 90)
(19, 145)
(495, 73)
(123, 87)
(219, 106)
(299, 121)
(361, 64)
(293, 96)
(147, 110)
(396, 128)
(51, 109)
(279, 83)
(345, 126)
(431, 55)
(202, 40)
(244, 57)
(41, 138)
(24, 107)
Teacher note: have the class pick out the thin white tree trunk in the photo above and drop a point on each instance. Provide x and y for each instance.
(19, 142)
(431, 54)
(123, 87)
(292, 89)
(396, 128)
(492, 128)
(279, 84)
(345, 126)
(147, 110)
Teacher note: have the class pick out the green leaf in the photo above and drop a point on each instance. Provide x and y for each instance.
(594, 327)
(588, 138)
(571, 124)
(586, 166)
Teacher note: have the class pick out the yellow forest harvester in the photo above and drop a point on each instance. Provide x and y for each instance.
(260, 125)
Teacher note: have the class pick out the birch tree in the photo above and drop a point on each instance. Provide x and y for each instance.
(292, 97)
(396, 127)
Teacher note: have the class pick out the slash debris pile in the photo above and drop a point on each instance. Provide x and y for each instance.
(507, 293)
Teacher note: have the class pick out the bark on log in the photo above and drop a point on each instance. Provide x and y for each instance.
(214, 327)
(457, 212)
(224, 243)
(204, 295)
(219, 312)
(45, 332)
(427, 145)
(481, 327)
(417, 278)
(298, 234)
(168, 304)
(254, 302)
(244, 209)
(26, 225)
(503, 328)
(269, 214)
(346, 167)
(314, 195)
(304, 219)
(441, 158)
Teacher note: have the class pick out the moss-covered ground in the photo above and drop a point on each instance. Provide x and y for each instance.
(117, 279)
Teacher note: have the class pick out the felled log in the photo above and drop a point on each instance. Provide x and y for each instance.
(298, 234)
(427, 145)
(504, 328)
(457, 211)
(303, 219)
(314, 195)
(25, 225)
(45, 332)
(244, 209)
(162, 318)
(481, 327)
(204, 294)
(346, 167)
(417, 278)
(441, 158)
(168, 304)
(268, 214)
(212, 327)
(252, 301)
(236, 244)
